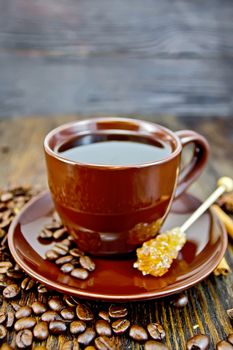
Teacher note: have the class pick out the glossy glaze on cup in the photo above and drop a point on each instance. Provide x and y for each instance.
(113, 209)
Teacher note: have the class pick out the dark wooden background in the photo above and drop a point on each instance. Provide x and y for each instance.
(118, 57)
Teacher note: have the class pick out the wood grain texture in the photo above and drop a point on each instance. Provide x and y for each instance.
(21, 158)
(83, 56)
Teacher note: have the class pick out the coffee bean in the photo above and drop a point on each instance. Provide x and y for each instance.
(67, 268)
(230, 313)
(104, 315)
(138, 333)
(84, 313)
(120, 326)
(20, 199)
(38, 307)
(11, 291)
(180, 301)
(25, 192)
(16, 275)
(102, 327)
(64, 259)
(104, 343)
(10, 319)
(86, 337)
(80, 273)
(41, 289)
(198, 342)
(2, 233)
(24, 339)
(75, 262)
(70, 345)
(41, 331)
(156, 331)
(61, 249)
(25, 323)
(66, 241)
(24, 311)
(6, 214)
(117, 311)
(2, 276)
(57, 327)
(56, 304)
(46, 234)
(70, 300)
(27, 283)
(62, 246)
(87, 263)
(3, 284)
(15, 305)
(68, 314)
(4, 224)
(49, 316)
(6, 197)
(224, 345)
(60, 233)
(5, 266)
(51, 255)
(3, 206)
(2, 317)
(77, 327)
(154, 345)
(230, 338)
(5, 346)
(76, 252)
(3, 332)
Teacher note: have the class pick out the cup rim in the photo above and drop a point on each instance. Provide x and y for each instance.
(137, 122)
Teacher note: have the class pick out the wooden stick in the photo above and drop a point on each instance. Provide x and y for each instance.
(227, 221)
(222, 269)
(225, 184)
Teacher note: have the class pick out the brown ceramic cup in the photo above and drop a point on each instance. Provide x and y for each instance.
(113, 209)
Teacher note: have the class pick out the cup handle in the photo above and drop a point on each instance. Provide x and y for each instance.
(200, 155)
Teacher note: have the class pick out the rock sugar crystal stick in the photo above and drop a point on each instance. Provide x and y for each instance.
(156, 255)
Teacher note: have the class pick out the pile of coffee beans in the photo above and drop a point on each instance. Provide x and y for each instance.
(31, 314)
(68, 315)
(64, 253)
(51, 313)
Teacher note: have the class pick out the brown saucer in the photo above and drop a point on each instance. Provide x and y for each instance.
(116, 279)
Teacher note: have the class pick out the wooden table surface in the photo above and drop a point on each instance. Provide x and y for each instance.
(115, 57)
(21, 162)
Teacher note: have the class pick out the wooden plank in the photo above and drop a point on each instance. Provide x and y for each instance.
(97, 85)
(82, 57)
(154, 28)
